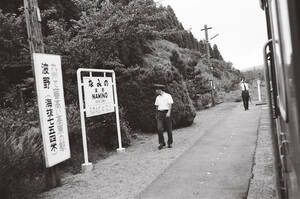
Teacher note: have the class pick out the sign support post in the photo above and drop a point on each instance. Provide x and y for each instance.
(86, 166)
(100, 97)
(120, 149)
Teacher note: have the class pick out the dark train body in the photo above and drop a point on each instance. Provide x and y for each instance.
(282, 70)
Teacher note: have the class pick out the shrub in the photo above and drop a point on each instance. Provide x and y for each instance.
(20, 151)
(137, 94)
(21, 148)
(178, 62)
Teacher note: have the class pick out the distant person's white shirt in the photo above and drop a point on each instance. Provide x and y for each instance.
(244, 86)
(163, 101)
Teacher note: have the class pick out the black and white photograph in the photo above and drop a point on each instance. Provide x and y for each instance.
(149, 99)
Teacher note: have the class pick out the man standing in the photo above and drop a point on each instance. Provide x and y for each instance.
(245, 94)
(163, 105)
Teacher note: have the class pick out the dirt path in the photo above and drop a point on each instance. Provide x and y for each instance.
(125, 175)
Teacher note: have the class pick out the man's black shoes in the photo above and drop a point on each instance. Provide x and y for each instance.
(161, 146)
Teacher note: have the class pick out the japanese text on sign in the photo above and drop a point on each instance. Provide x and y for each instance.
(51, 108)
(98, 92)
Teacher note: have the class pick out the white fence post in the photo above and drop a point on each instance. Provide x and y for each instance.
(258, 90)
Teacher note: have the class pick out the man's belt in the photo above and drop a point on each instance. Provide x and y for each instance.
(162, 110)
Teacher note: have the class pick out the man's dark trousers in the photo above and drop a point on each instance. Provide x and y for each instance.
(164, 122)
(245, 96)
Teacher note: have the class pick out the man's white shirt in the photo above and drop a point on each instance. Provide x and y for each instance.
(243, 85)
(163, 101)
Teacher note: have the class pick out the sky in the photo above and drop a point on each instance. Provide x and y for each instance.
(240, 24)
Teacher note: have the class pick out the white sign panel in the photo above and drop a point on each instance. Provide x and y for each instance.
(52, 110)
(98, 95)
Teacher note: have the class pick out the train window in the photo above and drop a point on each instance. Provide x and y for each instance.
(278, 58)
(285, 32)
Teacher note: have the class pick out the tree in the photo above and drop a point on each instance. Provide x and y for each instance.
(216, 53)
(202, 47)
(177, 62)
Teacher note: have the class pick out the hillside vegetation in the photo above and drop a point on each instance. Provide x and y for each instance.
(142, 42)
(254, 73)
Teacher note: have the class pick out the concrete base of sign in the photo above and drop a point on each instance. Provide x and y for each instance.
(121, 150)
(86, 167)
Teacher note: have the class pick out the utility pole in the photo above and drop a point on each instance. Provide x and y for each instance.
(33, 25)
(208, 59)
(207, 40)
(36, 45)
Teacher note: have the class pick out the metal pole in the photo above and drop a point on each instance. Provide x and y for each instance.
(120, 149)
(86, 166)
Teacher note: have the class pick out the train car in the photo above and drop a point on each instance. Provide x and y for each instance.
(282, 71)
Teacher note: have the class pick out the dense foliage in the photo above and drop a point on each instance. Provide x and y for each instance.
(143, 42)
(254, 73)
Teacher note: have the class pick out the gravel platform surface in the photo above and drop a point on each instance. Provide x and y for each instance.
(125, 175)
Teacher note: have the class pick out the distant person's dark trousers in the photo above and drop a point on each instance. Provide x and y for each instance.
(164, 122)
(245, 96)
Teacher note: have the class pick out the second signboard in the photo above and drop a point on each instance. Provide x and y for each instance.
(98, 95)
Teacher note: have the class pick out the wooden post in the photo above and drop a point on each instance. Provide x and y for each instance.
(205, 29)
(33, 25)
(36, 45)
(207, 40)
